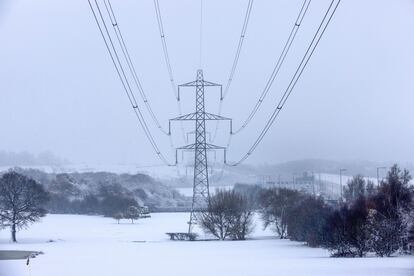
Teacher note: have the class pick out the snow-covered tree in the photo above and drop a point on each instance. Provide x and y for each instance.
(385, 234)
(392, 204)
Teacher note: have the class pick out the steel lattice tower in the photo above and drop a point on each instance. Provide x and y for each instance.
(201, 193)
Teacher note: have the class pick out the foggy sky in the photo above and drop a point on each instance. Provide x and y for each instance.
(60, 93)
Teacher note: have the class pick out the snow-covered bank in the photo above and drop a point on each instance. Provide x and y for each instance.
(88, 245)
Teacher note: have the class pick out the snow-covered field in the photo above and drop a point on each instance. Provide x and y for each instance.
(89, 246)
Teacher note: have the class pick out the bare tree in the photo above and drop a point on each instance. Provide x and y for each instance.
(242, 222)
(275, 204)
(118, 216)
(355, 188)
(370, 189)
(21, 201)
(228, 216)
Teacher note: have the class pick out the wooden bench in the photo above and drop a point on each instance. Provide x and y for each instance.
(182, 236)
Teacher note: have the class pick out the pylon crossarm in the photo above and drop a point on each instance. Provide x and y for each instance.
(191, 83)
(186, 117)
(187, 147)
(207, 147)
(209, 83)
(207, 116)
(201, 83)
(194, 83)
(214, 147)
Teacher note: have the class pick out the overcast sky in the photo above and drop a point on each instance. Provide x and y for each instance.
(355, 100)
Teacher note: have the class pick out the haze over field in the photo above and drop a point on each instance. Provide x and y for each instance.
(61, 94)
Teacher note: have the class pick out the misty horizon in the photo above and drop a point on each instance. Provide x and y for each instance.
(353, 102)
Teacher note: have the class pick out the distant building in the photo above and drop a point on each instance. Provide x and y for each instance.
(305, 179)
(305, 182)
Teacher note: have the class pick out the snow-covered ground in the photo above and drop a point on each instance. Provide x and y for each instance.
(89, 245)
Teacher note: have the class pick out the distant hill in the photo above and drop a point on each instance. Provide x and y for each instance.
(70, 187)
(256, 173)
(353, 167)
(27, 159)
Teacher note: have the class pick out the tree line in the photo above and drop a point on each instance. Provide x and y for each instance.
(24, 201)
(370, 220)
(105, 203)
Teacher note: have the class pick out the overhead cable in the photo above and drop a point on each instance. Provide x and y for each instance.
(124, 80)
(309, 52)
(278, 64)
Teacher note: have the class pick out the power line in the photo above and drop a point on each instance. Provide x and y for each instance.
(167, 61)
(278, 65)
(164, 48)
(239, 48)
(130, 64)
(235, 61)
(124, 80)
(309, 52)
(121, 41)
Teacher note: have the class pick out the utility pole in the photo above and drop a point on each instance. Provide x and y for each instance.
(320, 185)
(378, 169)
(340, 180)
(293, 181)
(201, 193)
(313, 184)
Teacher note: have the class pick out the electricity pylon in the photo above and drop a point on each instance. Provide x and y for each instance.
(201, 193)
